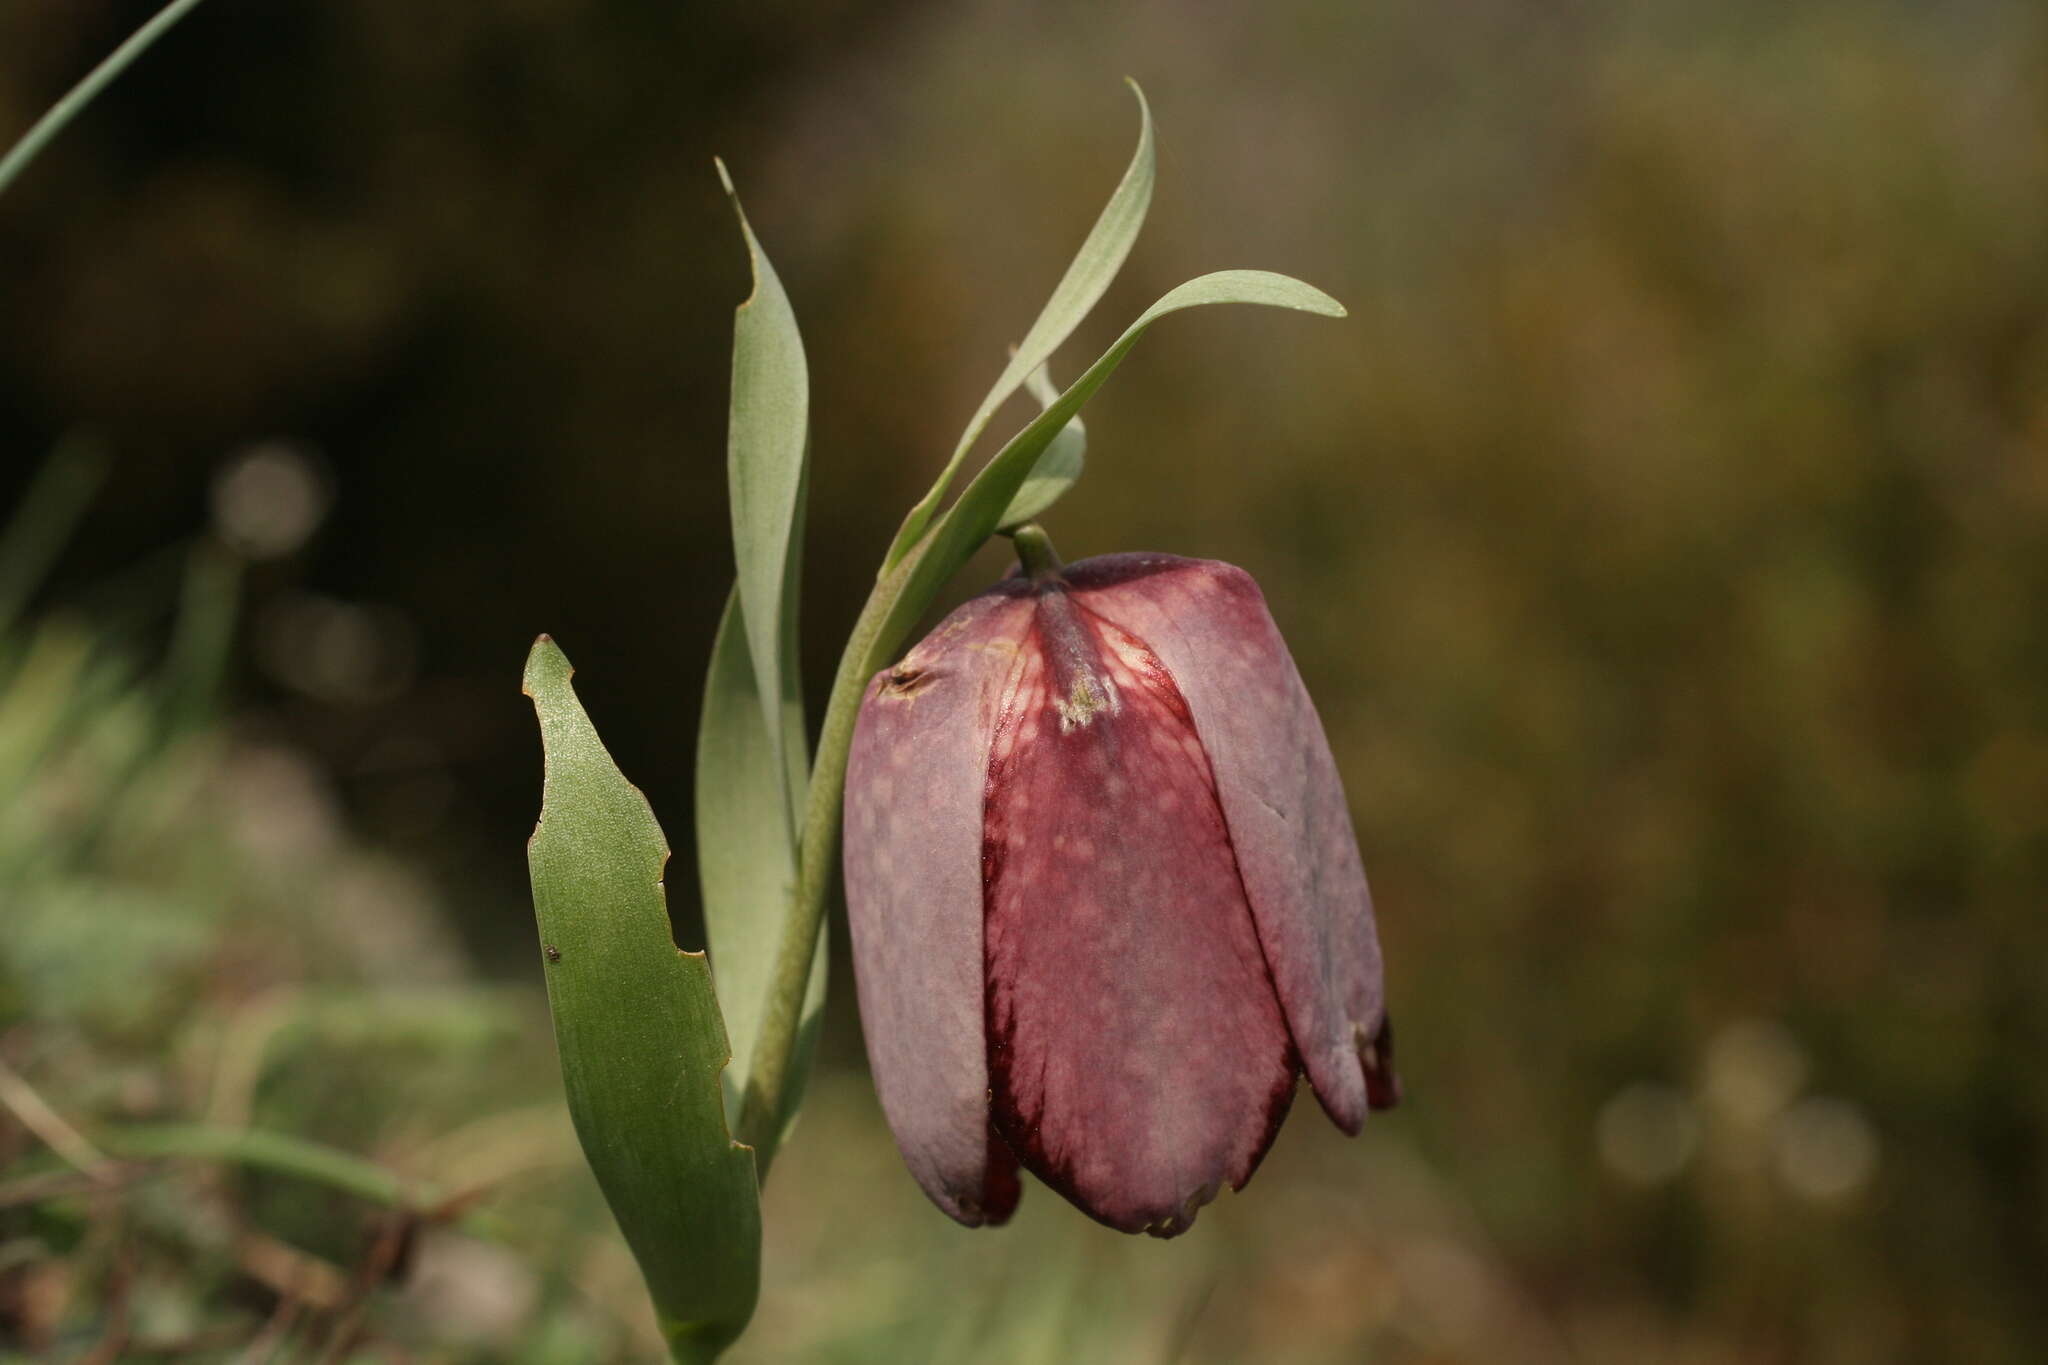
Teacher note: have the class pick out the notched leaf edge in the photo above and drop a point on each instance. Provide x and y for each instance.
(542, 654)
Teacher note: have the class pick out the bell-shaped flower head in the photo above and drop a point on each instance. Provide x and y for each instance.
(1107, 905)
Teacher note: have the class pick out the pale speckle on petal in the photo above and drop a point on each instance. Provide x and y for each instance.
(1138, 1055)
(1282, 798)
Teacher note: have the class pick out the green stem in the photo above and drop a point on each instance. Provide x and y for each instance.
(874, 640)
(1035, 552)
(81, 94)
(899, 598)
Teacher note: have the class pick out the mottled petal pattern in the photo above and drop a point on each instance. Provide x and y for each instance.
(913, 892)
(1137, 1054)
(1283, 800)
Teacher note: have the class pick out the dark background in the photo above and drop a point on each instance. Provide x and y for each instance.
(1661, 536)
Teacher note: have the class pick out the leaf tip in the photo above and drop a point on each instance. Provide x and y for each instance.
(546, 667)
(757, 263)
(1144, 122)
(1144, 108)
(1316, 301)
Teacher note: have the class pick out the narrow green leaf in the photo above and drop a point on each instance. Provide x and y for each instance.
(974, 518)
(638, 1030)
(46, 128)
(746, 862)
(764, 929)
(1078, 291)
(788, 709)
(753, 762)
(766, 449)
(1057, 468)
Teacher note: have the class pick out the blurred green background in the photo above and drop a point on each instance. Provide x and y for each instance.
(1662, 538)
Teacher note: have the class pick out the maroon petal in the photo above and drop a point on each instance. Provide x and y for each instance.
(1137, 1054)
(1282, 799)
(913, 895)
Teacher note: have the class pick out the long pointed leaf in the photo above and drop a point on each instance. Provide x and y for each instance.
(638, 1029)
(973, 519)
(753, 768)
(1056, 470)
(1101, 256)
(766, 450)
(746, 863)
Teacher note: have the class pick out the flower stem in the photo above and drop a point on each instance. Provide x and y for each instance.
(892, 609)
(1035, 552)
(64, 110)
(874, 639)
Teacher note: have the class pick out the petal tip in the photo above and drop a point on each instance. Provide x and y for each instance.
(989, 1209)
(1360, 1078)
(993, 1201)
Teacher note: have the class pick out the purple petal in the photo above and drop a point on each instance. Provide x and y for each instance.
(1137, 1054)
(1283, 801)
(913, 896)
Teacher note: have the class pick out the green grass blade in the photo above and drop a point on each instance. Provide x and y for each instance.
(203, 638)
(766, 457)
(746, 863)
(279, 1153)
(1101, 256)
(64, 110)
(42, 524)
(638, 1030)
(1057, 468)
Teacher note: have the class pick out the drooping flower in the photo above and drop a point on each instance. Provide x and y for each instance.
(1107, 905)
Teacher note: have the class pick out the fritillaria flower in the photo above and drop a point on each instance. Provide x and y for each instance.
(1106, 901)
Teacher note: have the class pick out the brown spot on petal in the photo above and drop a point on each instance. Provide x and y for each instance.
(905, 681)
